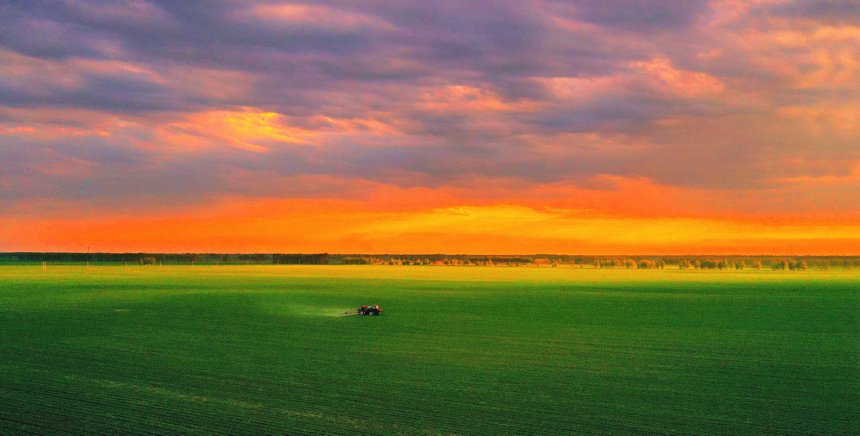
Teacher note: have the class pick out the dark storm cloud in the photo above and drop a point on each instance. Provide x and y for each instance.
(44, 38)
(401, 43)
(641, 15)
(827, 11)
(114, 93)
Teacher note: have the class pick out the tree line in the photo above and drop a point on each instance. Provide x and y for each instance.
(796, 263)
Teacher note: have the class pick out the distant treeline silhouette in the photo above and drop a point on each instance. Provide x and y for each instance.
(538, 260)
(169, 258)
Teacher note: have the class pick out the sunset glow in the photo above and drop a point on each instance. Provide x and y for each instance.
(581, 127)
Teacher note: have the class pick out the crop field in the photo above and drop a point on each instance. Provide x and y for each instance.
(261, 349)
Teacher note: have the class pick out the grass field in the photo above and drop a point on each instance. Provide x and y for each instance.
(260, 349)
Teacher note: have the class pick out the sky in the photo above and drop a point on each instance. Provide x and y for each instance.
(486, 127)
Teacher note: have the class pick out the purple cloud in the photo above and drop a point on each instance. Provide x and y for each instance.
(689, 94)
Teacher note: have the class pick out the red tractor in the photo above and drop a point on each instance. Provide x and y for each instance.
(371, 310)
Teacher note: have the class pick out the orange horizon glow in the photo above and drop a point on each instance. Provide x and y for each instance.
(343, 227)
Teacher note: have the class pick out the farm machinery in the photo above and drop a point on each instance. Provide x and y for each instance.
(371, 310)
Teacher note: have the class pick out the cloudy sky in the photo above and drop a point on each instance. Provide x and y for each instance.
(526, 126)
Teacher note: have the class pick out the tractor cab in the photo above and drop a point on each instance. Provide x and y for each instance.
(371, 310)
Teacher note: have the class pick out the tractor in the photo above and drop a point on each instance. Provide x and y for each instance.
(371, 310)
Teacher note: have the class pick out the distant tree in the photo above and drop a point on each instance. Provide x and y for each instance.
(780, 264)
(646, 264)
(707, 264)
(757, 264)
(799, 265)
(148, 260)
(739, 265)
(629, 263)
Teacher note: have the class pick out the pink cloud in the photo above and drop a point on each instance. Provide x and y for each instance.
(708, 108)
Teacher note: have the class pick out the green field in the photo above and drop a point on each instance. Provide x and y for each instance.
(260, 349)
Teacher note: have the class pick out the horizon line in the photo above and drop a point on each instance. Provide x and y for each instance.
(420, 254)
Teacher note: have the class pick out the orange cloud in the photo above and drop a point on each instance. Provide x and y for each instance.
(53, 124)
(461, 98)
(249, 129)
(580, 88)
(840, 120)
(680, 82)
(309, 14)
